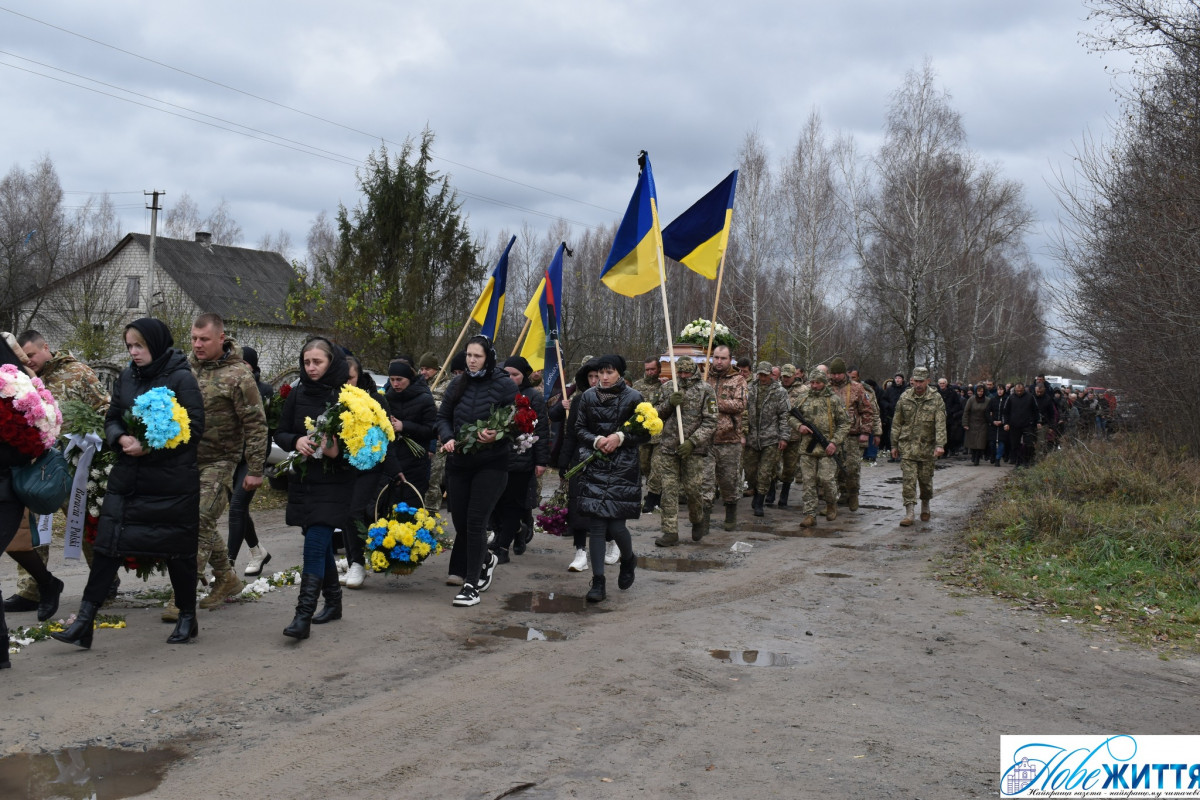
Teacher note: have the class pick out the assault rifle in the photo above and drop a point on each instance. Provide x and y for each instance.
(818, 438)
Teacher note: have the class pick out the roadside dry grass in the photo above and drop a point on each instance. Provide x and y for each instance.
(1103, 531)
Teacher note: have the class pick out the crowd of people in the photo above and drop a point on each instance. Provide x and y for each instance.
(731, 431)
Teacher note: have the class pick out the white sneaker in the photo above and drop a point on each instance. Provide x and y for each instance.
(258, 559)
(580, 564)
(355, 576)
(612, 554)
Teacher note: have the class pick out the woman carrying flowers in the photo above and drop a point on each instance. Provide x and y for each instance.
(152, 504)
(477, 461)
(531, 454)
(319, 494)
(367, 484)
(610, 491)
(413, 415)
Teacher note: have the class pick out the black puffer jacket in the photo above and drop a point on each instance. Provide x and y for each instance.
(152, 505)
(1021, 413)
(322, 496)
(415, 408)
(539, 454)
(471, 403)
(611, 487)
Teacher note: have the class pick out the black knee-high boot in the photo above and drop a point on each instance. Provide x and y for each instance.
(306, 604)
(332, 590)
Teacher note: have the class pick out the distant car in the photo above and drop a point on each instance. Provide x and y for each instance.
(381, 381)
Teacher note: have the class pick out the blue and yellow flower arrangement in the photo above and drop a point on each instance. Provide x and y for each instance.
(401, 541)
(158, 421)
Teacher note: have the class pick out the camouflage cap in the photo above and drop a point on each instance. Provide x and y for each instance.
(920, 374)
(788, 371)
(817, 375)
(764, 368)
(837, 366)
(685, 364)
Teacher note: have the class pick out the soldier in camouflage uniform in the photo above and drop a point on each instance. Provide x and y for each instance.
(766, 430)
(918, 439)
(67, 378)
(235, 423)
(689, 467)
(649, 387)
(862, 423)
(827, 413)
(726, 449)
(797, 390)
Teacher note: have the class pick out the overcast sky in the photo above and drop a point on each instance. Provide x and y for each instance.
(558, 96)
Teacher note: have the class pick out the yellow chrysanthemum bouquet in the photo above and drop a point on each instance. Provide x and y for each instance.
(360, 425)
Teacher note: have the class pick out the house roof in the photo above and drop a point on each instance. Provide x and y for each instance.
(236, 282)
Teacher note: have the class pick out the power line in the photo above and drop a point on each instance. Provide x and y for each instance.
(294, 110)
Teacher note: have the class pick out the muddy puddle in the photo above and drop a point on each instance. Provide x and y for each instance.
(550, 603)
(753, 658)
(874, 546)
(756, 527)
(527, 633)
(85, 773)
(833, 574)
(809, 533)
(656, 564)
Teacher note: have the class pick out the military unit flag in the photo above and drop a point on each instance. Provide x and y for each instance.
(544, 313)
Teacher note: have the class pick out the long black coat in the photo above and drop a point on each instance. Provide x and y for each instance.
(611, 488)
(1021, 413)
(415, 408)
(539, 454)
(475, 402)
(322, 496)
(152, 505)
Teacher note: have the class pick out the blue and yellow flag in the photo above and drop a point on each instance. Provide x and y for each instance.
(698, 237)
(490, 306)
(544, 313)
(634, 263)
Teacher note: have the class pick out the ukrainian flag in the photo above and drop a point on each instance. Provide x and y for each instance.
(489, 308)
(698, 237)
(634, 264)
(544, 313)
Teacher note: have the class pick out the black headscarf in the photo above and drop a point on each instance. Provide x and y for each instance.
(250, 356)
(159, 342)
(335, 376)
(522, 366)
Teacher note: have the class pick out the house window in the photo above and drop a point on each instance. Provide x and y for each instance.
(133, 291)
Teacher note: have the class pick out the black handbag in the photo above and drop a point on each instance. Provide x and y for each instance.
(43, 485)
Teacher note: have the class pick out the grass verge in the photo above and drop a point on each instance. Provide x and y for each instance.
(1107, 532)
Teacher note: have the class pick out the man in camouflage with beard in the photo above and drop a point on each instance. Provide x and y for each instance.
(730, 389)
(686, 467)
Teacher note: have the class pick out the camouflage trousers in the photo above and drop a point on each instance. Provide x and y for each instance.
(27, 587)
(761, 466)
(850, 476)
(915, 472)
(727, 460)
(646, 463)
(694, 476)
(437, 473)
(817, 470)
(789, 463)
(216, 486)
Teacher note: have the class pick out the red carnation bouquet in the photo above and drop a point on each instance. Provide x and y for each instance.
(525, 421)
(274, 406)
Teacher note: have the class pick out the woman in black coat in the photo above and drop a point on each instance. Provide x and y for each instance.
(414, 416)
(611, 489)
(997, 408)
(318, 499)
(523, 468)
(474, 480)
(152, 504)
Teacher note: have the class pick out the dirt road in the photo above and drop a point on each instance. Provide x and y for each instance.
(870, 678)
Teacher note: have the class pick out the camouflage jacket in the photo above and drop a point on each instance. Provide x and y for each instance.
(699, 410)
(730, 389)
(649, 388)
(826, 411)
(234, 420)
(796, 394)
(67, 378)
(858, 406)
(919, 424)
(766, 423)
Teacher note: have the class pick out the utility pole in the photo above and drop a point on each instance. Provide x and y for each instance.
(154, 193)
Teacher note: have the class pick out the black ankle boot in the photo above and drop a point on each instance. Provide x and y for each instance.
(771, 494)
(50, 593)
(783, 495)
(306, 604)
(625, 577)
(333, 600)
(757, 505)
(80, 632)
(186, 628)
(652, 499)
(596, 593)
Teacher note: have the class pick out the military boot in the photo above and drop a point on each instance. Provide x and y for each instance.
(771, 495)
(700, 529)
(730, 516)
(651, 502)
(831, 511)
(852, 501)
(924, 511)
(783, 494)
(908, 517)
(226, 584)
(757, 505)
(667, 540)
(171, 612)
(809, 521)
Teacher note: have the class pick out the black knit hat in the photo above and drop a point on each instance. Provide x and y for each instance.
(611, 360)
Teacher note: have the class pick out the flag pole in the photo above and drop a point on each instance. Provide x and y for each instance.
(562, 376)
(438, 378)
(712, 332)
(521, 336)
(662, 283)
